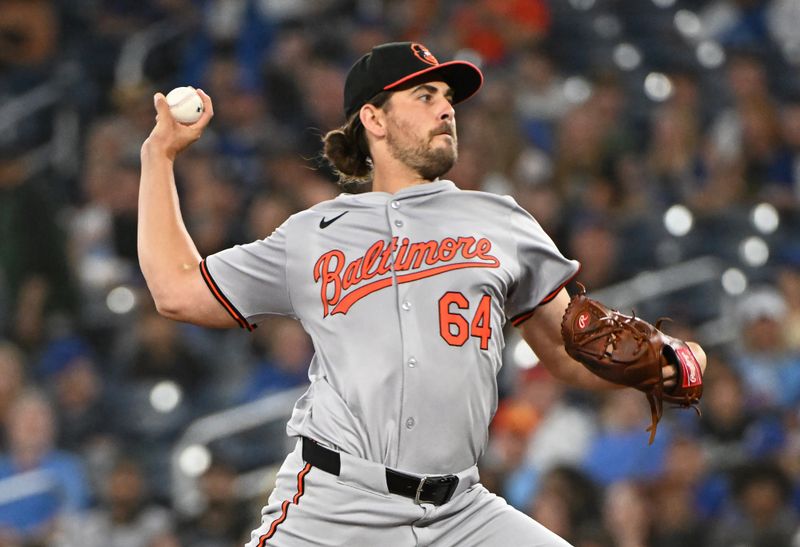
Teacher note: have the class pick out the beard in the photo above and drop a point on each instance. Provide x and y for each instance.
(418, 153)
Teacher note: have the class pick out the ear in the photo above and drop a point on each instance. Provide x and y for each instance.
(373, 119)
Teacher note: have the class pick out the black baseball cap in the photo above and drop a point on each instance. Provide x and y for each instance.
(391, 65)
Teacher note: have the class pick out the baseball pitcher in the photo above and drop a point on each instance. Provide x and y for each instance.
(405, 291)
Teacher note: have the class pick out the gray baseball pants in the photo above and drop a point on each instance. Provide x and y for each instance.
(310, 507)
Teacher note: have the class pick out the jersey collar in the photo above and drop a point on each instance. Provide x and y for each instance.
(436, 187)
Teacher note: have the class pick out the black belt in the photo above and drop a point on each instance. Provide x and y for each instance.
(436, 489)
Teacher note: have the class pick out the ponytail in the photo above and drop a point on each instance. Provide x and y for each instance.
(347, 150)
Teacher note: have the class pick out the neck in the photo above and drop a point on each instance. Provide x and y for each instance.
(392, 175)
(392, 185)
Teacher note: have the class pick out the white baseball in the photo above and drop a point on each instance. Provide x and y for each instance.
(185, 104)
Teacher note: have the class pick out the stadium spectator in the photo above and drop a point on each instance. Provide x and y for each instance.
(70, 373)
(771, 370)
(29, 33)
(783, 186)
(761, 514)
(676, 495)
(625, 514)
(618, 452)
(225, 520)
(726, 418)
(284, 353)
(43, 482)
(35, 279)
(161, 353)
(674, 156)
(126, 518)
(568, 500)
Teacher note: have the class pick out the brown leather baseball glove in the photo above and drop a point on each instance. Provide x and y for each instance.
(631, 352)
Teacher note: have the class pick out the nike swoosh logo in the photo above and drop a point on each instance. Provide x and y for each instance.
(325, 223)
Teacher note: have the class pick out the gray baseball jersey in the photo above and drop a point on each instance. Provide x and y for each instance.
(405, 297)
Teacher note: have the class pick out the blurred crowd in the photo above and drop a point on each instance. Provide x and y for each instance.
(640, 133)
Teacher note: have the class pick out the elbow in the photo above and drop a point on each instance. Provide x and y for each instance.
(168, 304)
(167, 309)
(168, 293)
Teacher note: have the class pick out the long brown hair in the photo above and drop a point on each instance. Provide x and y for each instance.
(347, 150)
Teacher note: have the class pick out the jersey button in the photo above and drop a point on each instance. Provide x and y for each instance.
(398, 223)
(412, 362)
(406, 305)
(395, 205)
(410, 423)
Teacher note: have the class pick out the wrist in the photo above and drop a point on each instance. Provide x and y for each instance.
(154, 150)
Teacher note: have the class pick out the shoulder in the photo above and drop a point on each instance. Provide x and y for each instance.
(342, 200)
(339, 203)
(504, 202)
(519, 222)
(333, 208)
(490, 206)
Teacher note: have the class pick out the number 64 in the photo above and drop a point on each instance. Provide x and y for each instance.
(454, 327)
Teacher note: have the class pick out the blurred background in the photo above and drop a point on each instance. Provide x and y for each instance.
(657, 141)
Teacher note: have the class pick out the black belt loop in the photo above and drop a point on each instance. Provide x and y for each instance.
(437, 489)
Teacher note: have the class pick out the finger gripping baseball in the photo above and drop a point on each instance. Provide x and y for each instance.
(629, 351)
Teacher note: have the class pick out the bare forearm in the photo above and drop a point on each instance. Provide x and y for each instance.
(543, 333)
(166, 251)
(566, 369)
(167, 255)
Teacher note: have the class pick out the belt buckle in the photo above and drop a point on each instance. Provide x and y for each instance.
(451, 481)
